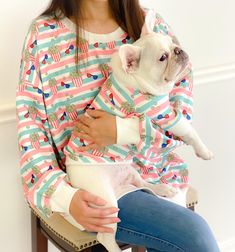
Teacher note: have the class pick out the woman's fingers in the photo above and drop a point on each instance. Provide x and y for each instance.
(101, 129)
(92, 219)
(83, 127)
(91, 198)
(95, 113)
(104, 221)
(83, 136)
(86, 120)
(101, 212)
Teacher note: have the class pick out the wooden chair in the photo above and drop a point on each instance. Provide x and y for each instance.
(66, 237)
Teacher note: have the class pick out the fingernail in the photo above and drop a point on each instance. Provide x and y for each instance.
(118, 220)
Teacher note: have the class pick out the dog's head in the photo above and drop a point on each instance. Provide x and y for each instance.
(154, 60)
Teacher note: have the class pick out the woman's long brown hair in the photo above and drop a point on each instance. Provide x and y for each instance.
(127, 13)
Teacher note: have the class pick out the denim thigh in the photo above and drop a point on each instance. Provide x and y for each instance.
(160, 225)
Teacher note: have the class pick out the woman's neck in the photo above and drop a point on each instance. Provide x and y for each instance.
(95, 10)
(96, 16)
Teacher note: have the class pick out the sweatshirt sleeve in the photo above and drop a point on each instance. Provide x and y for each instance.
(127, 130)
(181, 96)
(41, 174)
(180, 102)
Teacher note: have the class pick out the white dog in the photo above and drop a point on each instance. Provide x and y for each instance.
(152, 65)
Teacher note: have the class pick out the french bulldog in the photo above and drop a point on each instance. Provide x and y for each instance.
(152, 65)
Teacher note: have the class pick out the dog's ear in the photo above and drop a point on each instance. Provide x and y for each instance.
(149, 23)
(130, 57)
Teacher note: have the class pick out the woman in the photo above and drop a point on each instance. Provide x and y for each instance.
(61, 73)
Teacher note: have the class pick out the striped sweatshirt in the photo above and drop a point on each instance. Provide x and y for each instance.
(51, 95)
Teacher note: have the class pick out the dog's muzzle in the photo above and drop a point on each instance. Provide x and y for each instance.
(182, 56)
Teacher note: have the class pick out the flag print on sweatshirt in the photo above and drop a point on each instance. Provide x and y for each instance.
(52, 93)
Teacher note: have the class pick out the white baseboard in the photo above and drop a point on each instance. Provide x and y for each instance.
(228, 245)
(7, 113)
(214, 74)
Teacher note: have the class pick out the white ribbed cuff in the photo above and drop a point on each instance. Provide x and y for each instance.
(62, 197)
(181, 128)
(127, 130)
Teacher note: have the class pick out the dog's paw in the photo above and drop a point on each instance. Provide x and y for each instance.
(165, 190)
(205, 154)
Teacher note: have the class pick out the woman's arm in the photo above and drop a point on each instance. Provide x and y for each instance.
(40, 171)
(44, 183)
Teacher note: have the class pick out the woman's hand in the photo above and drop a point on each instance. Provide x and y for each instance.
(100, 129)
(92, 219)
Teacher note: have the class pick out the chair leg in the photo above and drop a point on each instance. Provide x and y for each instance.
(96, 248)
(138, 249)
(39, 241)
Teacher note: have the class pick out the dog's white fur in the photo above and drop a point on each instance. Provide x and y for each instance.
(139, 66)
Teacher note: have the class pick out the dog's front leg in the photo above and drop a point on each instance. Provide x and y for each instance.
(184, 130)
(193, 139)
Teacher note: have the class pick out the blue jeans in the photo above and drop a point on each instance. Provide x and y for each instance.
(160, 225)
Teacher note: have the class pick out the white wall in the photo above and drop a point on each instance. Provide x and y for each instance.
(205, 29)
(14, 217)
(15, 17)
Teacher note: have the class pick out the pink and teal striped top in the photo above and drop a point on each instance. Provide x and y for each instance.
(52, 94)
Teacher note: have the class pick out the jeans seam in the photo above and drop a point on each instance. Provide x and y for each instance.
(150, 237)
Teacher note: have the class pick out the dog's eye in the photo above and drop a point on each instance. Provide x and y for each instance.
(164, 57)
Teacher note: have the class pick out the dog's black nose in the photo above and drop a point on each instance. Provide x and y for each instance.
(181, 55)
(178, 51)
